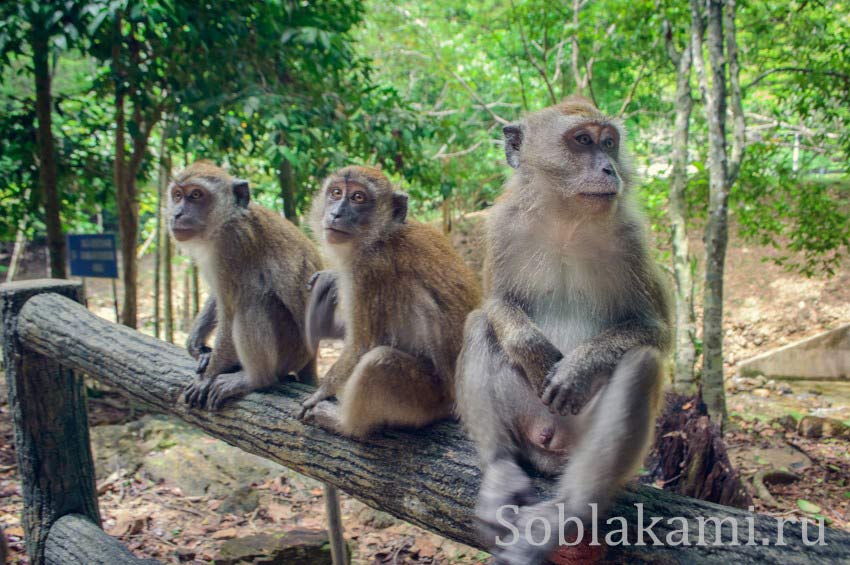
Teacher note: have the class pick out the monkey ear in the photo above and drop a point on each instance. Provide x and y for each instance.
(242, 192)
(513, 141)
(399, 207)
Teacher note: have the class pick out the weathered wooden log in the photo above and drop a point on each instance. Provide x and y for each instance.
(75, 540)
(48, 406)
(427, 477)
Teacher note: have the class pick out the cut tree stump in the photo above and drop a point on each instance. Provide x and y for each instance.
(689, 456)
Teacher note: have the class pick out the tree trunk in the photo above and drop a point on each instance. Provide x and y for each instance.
(429, 477)
(286, 179)
(689, 456)
(683, 377)
(47, 173)
(17, 253)
(196, 292)
(185, 315)
(47, 402)
(716, 229)
(167, 287)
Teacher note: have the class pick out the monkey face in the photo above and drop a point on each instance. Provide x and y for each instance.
(190, 205)
(358, 203)
(575, 150)
(349, 207)
(201, 198)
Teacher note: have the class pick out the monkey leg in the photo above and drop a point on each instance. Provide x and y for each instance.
(223, 358)
(486, 386)
(389, 387)
(619, 429)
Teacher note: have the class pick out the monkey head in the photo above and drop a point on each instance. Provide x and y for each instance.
(201, 198)
(572, 149)
(357, 204)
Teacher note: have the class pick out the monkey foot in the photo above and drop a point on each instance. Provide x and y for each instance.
(227, 386)
(195, 394)
(325, 414)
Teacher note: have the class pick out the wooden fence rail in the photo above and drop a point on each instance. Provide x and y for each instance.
(427, 477)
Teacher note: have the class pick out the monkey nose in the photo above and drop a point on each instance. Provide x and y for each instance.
(609, 171)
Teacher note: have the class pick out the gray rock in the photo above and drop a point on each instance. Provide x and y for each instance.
(298, 547)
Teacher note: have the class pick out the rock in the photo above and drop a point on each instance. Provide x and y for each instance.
(784, 388)
(815, 427)
(786, 422)
(241, 501)
(297, 547)
(178, 454)
(760, 392)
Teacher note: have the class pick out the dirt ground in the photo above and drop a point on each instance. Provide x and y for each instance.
(765, 307)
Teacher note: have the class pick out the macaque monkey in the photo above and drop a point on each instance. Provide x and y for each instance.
(561, 370)
(256, 264)
(403, 294)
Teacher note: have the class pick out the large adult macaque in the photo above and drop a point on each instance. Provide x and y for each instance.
(561, 370)
(256, 265)
(404, 294)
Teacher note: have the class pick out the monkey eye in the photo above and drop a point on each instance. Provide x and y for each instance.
(358, 197)
(196, 194)
(177, 196)
(336, 193)
(608, 143)
(584, 139)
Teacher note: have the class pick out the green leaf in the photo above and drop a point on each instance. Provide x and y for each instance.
(808, 507)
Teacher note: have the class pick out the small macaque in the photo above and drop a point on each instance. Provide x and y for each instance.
(256, 265)
(561, 370)
(399, 293)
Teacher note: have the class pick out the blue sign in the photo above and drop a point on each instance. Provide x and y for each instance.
(93, 255)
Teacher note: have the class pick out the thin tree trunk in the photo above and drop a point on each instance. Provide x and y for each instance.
(286, 178)
(716, 229)
(156, 267)
(47, 173)
(168, 291)
(683, 377)
(196, 292)
(20, 245)
(184, 315)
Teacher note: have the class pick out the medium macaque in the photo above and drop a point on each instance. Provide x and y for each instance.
(404, 294)
(561, 370)
(256, 265)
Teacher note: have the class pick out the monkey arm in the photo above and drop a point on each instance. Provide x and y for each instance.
(522, 341)
(322, 319)
(202, 327)
(577, 377)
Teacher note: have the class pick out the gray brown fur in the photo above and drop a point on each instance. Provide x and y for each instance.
(404, 295)
(256, 265)
(562, 367)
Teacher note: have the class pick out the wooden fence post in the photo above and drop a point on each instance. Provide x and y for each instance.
(48, 407)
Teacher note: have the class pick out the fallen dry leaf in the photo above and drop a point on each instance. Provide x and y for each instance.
(226, 533)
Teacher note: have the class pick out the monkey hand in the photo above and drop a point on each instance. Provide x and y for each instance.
(203, 359)
(320, 280)
(324, 392)
(567, 388)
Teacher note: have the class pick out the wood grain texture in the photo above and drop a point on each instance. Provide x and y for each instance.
(427, 477)
(48, 406)
(76, 540)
